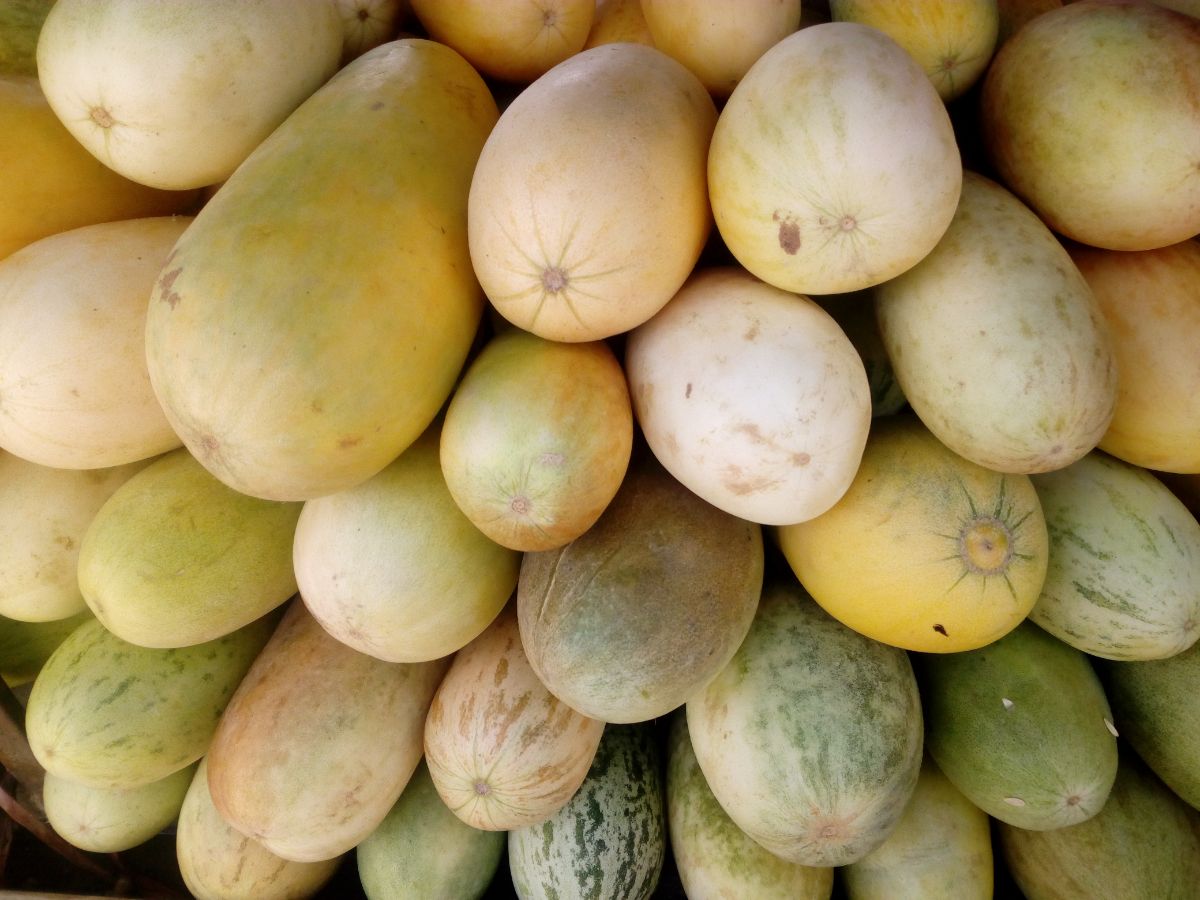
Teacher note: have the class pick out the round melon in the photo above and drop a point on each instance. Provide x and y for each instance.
(926, 551)
(537, 438)
(998, 342)
(175, 95)
(394, 569)
(834, 165)
(634, 616)
(589, 207)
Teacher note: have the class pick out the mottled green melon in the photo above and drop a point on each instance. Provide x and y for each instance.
(716, 860)
(1022, 727)
(421, 849)
(811, 737)
(630, 619)
(610, 839)
(20, 23)
(25, 646)
(1143, 843)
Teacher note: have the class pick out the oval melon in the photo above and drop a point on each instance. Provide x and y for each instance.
(610, 839)
(589, 208)
(997, 340)
(25, 646)
(175, 558)
(218, 862)
(637, 614)
(502, 750)
(833, 165)
(537, 438)
(318, 742)
(1022, 727)
(392, 567)
(294, 353)
(176, 95)
(810, 738)
(421, 849)
(926, 550)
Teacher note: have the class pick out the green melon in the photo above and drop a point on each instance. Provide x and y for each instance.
(421, 849)
(25, 646)
(110, 714)
(20, 23)
(1123, 579)
(715, 858)
(175, 558)
(811, 737)
(1144, 843)
(610, 839)
(1022, 727)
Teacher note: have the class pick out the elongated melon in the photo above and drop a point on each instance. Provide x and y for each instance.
(318, 742)
(314, 317)
(610, 839)
(109, 714)
(421, 849)
(716, 859)
(503, 751)
(1022, 727)
(810, 738)
(1123, 580)
(175, 558)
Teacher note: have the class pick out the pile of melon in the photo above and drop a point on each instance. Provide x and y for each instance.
(604, 449)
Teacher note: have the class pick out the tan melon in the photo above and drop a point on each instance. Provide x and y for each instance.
(502, 750)
(588, 207)
(616, 21)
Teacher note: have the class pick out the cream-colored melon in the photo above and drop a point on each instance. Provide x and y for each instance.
(588, 207)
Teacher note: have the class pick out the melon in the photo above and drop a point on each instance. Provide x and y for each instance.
(318, 742)
(589, 207)
(618, 21)
(175, 558)
(176, 95)
(333, 351)
(833, 165)
(633, 617)
(537, 438)
(392, 567)
(25, 646)
(855, 315)
(998, 342)
(1123, 580)
(421, 849)
(502, 750)
(20, 23)
(610, 839)
(73, 379)
(368, 23)
(811, 737)
(752, 397)
(1022, 727)
(926, 551)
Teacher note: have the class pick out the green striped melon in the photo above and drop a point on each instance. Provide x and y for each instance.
(810, 738)
(1123, 579)
(940, 850)
(610, 839)
(175, 557)
(106, 820)
(25, 646)
(716, 860)
(422, 850)
(1156, 710)
(1022, 727)
(110, 714)
(1144, 843)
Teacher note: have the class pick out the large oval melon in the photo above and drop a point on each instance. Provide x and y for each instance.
(811, 737)
(1022, 727)
(637, 614)
(589, 207)
(503, 751)
(314, 317)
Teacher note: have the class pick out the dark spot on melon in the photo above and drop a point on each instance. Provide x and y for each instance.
(687, 392)
(102, 117)
(520, 505)
(377, 105)
(789, 235)
(165, 285)
(209, 445)
(501, 671)
(363, 14)
(941, 629)
(347, 442)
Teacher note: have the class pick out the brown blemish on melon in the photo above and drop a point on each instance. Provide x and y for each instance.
(102, 117)
(986, 545)
(554, 280)
(789, 233)
(165, 285)
(520, 505)
(501, 672)
(941, 629)
(352, 441)
(687, 392)
(209, 445)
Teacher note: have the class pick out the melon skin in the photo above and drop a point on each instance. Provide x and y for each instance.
(325, 381)
(662, 578)
(811, 737)
(610, 839)
(421, 849)
(1123, 578)
(1022, 727)
(25, 646)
